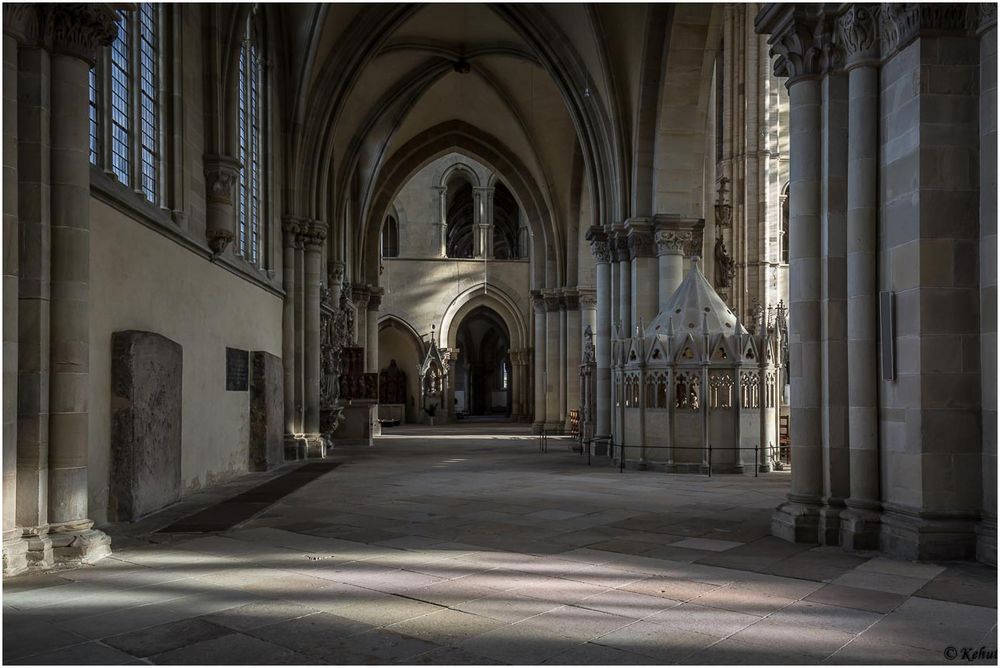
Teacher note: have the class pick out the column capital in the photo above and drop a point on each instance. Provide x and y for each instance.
(986, 17)
(290, 227)
(312, 233)
(640, 237)
(598, 239)
(221, 175)
(335, 272)
(677, 235)
(858, 35)
(619, 238)
(902, 22)
(570, 299)
(360, 295)
(76, 29)
(801, 39)
(588, 298)
(20, 20)
(552, 299)
(374, 297)
(538, 302)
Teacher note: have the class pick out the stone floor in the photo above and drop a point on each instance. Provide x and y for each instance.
(450, 547)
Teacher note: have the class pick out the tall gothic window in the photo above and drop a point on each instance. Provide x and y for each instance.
(121, 102)
(250, 146)
(131, 76)
(390, 237)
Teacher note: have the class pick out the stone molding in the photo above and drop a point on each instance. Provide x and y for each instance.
(570, 299)
(858, 34)
(622, 251)
(599, 248)
(538, 302)
(552, 299)
(902, 22)
(640, 238)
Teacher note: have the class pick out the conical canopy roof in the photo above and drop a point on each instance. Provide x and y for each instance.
(694, 302)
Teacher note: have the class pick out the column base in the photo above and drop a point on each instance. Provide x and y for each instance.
(554, 428)
(78, 543)
(537, 427)
(295, 448)
(765, 467)
(315, 446)
(829, 527)
(986, 542)
(600, 446)
(918, 536)
(796, 522)
(39, 554)
(15, 553)
(860, 528)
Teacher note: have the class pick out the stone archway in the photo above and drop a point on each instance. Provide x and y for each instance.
(482, 377)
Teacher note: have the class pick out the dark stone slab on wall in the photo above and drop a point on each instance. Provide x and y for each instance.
(267, 411)
(146, 372)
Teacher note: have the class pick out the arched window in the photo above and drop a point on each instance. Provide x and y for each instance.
(504, 375)
(250, 135)
(784, 224)
(131, 73)
(390, 237)
(461, 216)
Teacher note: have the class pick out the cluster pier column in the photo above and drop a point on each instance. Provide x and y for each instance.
(371, 329)
(644, 271)
(312, 234)
(76, 32)
(620, 239)
(553, 382)
(859, 35)
(14, 546)
(574, 345)
(799, 59)
(539, 308)
(598, 239)
(291, 226)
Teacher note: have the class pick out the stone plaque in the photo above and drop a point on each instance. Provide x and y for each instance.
(267, 411)
(146, 373)
(237, 370)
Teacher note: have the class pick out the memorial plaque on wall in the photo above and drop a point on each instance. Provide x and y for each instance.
(237, 369)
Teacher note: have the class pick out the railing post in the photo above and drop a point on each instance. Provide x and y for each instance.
(756, 460)
(710, 461)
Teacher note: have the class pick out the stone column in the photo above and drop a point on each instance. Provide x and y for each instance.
(442, 223)
(515, 392)
(644, 281)
(574, 344)
(799, 59)
(670, 247)
(76, 33)
(34, 272)
(562, 359)
(553, 419)
(313, 236)
(602, 332)
(290, 228)
(14, 546)
(859, 34)
(298, 297)
(986, 544)
(620, 238)
(539, 386)
(371, 330)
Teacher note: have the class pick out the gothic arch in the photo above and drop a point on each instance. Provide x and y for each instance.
(465, 168)
(462, 138)
(497, 299)
(395, 322)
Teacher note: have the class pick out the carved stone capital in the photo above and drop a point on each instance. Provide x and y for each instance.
(312, 234)
(622, 252)
(858, 35)
(538, 302)
(374, 297)
(552, 300)
(290, 228)
(21, 21)
(902, 22)
(985, 17)
(588, 298)
(335, 273)
(802, 40)
(221, 175)
(640, 238)
(77, 29)
(672, 242)
(570, 299)
(598, 239)
(360, 296)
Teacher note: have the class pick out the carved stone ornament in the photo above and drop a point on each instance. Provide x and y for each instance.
(672, 242)
(804, 44)
(857, 32)
(374, 298)
(588, 299)
(552, 300)
(984, 15)
(311, 235)
(724, 270)
(693, 248)
(622, 253)
(538, 303)
(723, 209)
(640, 243)
(589, 355)
(221, 175)
(902, 22)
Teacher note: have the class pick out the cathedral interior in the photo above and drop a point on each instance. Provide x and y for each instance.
(499, 333)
